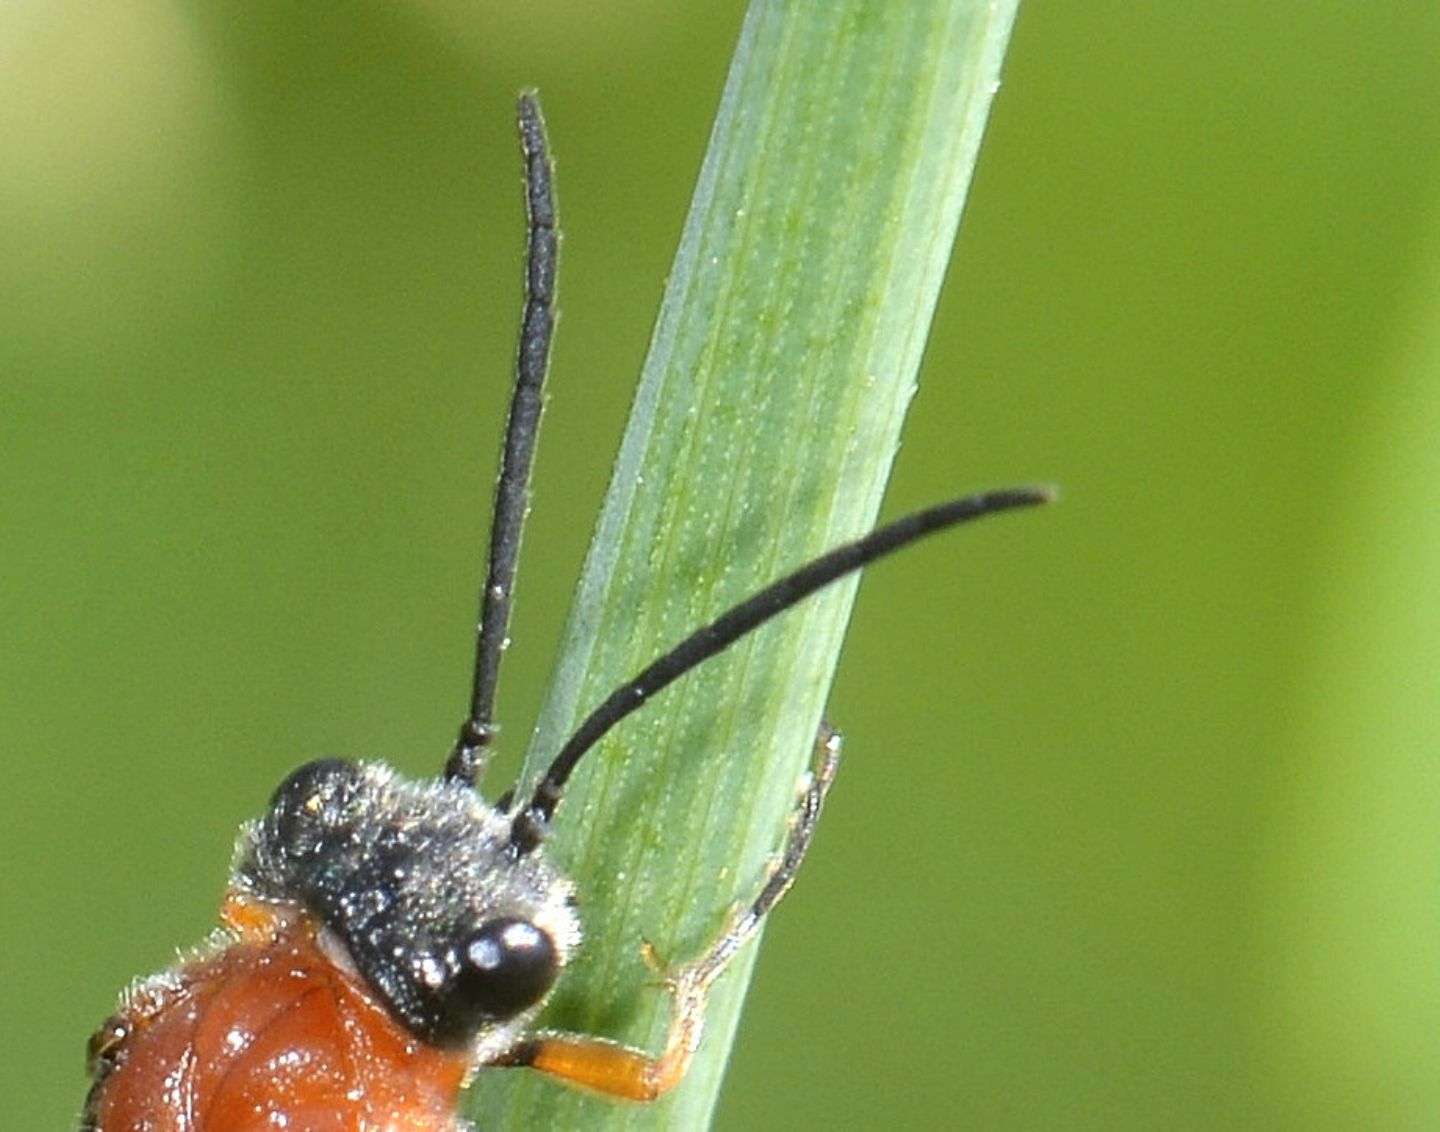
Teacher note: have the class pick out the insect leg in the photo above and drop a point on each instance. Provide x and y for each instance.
(623, 1071)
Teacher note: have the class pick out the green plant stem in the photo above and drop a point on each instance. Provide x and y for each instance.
(763, 431)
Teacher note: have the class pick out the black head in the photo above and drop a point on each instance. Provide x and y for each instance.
(417, 884)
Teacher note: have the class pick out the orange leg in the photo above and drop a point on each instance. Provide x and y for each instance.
(621, 1071)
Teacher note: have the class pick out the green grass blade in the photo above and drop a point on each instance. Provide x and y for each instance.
(766, 421)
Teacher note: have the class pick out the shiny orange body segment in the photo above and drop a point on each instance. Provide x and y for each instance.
(263, 1034)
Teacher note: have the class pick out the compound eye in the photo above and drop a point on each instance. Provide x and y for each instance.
(316, 782)
(503, 969)
(314, 799)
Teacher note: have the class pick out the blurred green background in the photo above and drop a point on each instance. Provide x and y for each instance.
(1138, 827)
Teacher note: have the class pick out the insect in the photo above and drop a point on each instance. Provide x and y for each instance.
(382, 940)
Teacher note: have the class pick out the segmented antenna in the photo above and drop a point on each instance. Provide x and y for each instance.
(530, 824)
(512, 489)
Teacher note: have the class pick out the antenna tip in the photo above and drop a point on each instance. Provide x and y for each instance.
(1020, 497)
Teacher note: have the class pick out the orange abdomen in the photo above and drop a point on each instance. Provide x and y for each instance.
(265, 1035)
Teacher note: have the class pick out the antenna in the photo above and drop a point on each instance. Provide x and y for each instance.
(512, 489)
(530, 824)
